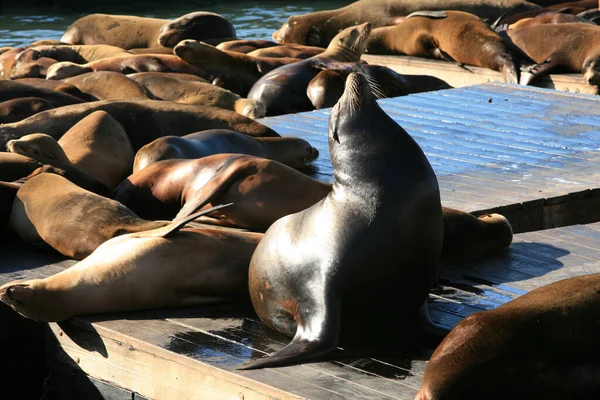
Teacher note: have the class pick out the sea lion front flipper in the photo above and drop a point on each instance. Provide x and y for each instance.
(530, 73)
(338, 65)
(441, 54)
(428, 14)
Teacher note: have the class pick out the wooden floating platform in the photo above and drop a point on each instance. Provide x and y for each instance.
(491, 145)
(458, 77)
(530, 153)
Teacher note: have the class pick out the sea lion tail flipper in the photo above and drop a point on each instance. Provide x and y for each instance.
(441, 54)
(428, 14)
(530, 73)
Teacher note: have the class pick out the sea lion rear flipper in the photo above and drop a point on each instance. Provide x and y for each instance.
(530, 73)
(494, 24)
(428, 14)
(441, 54)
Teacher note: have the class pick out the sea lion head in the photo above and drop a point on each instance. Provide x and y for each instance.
(353, 38)
(591, 69)
(197, 25)
(299, 31)
(39, 146)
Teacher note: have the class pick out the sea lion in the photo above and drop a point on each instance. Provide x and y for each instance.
(367, 254)
(325, 89)
(143, 120)
(21, 108)
(32, 69)
(8, 191)
(10, 90)
(283, 90)
(573, 47)
(16, 166)
(291, 151)
(128, 32)
(160, 266)
(542, 345)
(233, 71)
(182, 77)
(262, 190)
(318, 28)
(97, 145)
(58, 86)
(550, 17)
(290, 51)
(245, 46)
(125, 65)
(200, 93)
(206, 26)
(7, 62)
(70, 219)
(108, 85)
(454, 36)
(78, 54)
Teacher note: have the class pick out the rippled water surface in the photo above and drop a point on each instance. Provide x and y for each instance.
(20, 25)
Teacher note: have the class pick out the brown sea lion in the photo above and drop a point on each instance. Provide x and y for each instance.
(79, 54)
(58, 86)
(549, 18)
(245, 46)
(125, 65)
(10, 90)
(325, 89)
(543, 345)
(40, 147)
(128, 32)
(283, 90)
(21, 108)
(365, 255)
(7, 62)
(16, 166)
(233, 71)
(291, 151)
(4, 49)
(454, 36)
(318, 28)
(108, 85)
(185, 92)
(587, 4)
(290, 51)
(262, 190)
(8, 192)
(152, 50)
(32, 69)
(182, 77)
(143, 120)
(573, 47)
(161, 267)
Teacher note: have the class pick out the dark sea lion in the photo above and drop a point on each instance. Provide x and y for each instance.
(573, 47)
(318, 28)
(8, 192)
(366, 255)
(454, 36)
(130, 32)
(205, 26)
(262, 190)
(21, 108)
(161, 267)
(125, 65)
(231, 70)
(108, 85)
(70, 219)
(200, 93)
(325, 89)
(16, 166)
(58, 86)
(290, 50)
(10, 90)
(245, 46)
(143, 120)
(291, 151)
(283, 90)
(543, 345)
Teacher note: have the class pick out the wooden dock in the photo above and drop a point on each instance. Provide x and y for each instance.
(528, 148)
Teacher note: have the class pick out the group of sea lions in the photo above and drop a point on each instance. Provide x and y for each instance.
(136, 157)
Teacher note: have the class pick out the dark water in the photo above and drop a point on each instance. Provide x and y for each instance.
(21, 22)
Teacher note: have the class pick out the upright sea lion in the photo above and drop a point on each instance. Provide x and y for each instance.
(108, 85)
(245, 46)
(21, 108)
(283, 90)
(170, 88)
(366, 255)
(543, 345)
(318, 28)
(325, 89)
(453, 36)
(125, 65)
(130, 32)
(233, 71)
(571, 47)
(290, 151)
(262, 190)
(10, 90)
(143, 120)
(161, 267)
